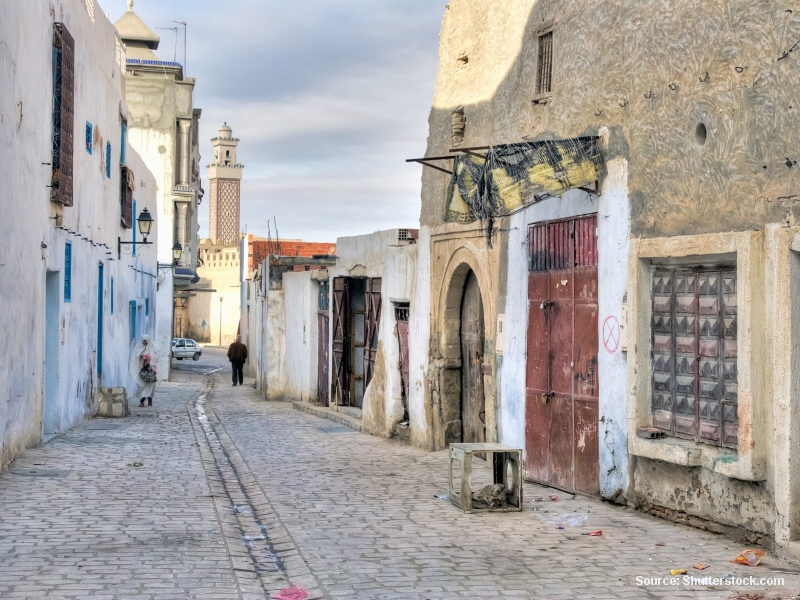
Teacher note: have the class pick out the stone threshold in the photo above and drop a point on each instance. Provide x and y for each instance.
(330, 414)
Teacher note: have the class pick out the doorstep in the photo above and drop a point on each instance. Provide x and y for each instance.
(330, 414)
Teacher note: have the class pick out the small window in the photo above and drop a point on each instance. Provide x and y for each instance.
(544, 71)
(695, 381)
(108, 160)
(147, 306)
(111, 298)
(88, 137)
(68, 272)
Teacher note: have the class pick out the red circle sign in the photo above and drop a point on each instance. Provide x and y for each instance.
(611, 334)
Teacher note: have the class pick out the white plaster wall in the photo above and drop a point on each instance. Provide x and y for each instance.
(33, 243)
(275, 346)
(300, 296)
(380, 255)
(419, 332)
(613, 239)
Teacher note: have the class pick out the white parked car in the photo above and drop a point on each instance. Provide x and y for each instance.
(185, 348)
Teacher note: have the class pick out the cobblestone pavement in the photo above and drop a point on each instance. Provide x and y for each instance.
(214, 493)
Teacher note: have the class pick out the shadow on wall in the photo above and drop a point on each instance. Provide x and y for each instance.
(678, 92)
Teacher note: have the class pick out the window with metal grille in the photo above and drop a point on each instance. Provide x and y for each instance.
(695, 383)
(323, 295)
(111, 297)
(68, 272)
(63, 114)
(126, 186)
(544, 71)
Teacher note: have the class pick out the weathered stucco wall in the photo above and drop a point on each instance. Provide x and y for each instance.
(380, 254)
(300, 373)
(53, 371)
(220, 272)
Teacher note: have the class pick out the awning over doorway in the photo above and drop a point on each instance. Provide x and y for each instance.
(511, 176)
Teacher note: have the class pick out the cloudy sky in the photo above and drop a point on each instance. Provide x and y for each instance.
(328, 97)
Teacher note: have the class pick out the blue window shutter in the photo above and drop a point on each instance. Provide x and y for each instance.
(123, 141)
(147, 306)
(68, 272)
(132, 318)
(112, 295)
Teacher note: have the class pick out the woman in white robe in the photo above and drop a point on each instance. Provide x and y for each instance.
(144, 355)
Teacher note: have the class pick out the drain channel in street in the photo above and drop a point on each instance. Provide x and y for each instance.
(265, 565)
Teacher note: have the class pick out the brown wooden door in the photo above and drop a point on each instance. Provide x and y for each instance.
(340, 389)
(561, 381)
(473, 407)
(322, 357)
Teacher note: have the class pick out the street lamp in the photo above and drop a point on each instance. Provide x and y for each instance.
(145, 222)
(177, 250)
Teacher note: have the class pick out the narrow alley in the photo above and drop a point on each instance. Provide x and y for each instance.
(215, 493)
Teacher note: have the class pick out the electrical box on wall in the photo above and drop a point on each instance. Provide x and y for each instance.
(500, 338)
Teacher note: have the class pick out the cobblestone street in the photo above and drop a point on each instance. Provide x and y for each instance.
(213, 493)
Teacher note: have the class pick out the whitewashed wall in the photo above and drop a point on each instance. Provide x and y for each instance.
(380, 254)
(33, 245)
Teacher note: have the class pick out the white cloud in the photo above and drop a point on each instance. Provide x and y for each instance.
(328, 99)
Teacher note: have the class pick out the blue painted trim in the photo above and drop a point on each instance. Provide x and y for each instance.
(68, 272)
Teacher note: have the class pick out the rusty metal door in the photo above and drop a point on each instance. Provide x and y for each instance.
(340, 392)
(372, 296)
(322, 357)
(473, 407)
(401, 316)
(561, 380)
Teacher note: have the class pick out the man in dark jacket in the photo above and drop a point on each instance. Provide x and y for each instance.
(237, 354)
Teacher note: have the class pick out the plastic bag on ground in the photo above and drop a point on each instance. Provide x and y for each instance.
(290, 593)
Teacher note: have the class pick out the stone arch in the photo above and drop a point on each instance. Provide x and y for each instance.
(448, 325)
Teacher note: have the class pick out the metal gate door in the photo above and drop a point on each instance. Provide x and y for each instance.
(340, 392)
(322, 358)
(561, 409)
(473, 409)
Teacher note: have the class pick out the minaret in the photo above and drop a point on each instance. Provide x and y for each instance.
(225, 175)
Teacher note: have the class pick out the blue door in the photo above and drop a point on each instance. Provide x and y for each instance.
(100, 319)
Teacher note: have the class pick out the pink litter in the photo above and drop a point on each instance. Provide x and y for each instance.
(290, 593)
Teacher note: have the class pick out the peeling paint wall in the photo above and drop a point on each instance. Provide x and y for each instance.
(381, 254)
(55, 344)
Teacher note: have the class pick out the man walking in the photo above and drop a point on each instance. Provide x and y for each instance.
(237, 354)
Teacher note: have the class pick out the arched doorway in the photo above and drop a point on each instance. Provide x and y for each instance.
(473, 402)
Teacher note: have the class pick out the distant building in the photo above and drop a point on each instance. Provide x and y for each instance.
(163, 127)
(224, 176)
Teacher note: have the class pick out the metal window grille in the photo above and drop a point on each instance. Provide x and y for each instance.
(544, 75)
(63, 115)
(401, 313)
(323, 295)
(694, 337)
(126, 179)
(108, 160)
(68, 272)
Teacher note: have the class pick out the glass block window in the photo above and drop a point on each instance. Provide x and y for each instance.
(695, 381)
(68, 272)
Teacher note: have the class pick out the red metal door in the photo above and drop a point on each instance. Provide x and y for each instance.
(340, 392)
(322, 358)
(561, 379)
(473, 409)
